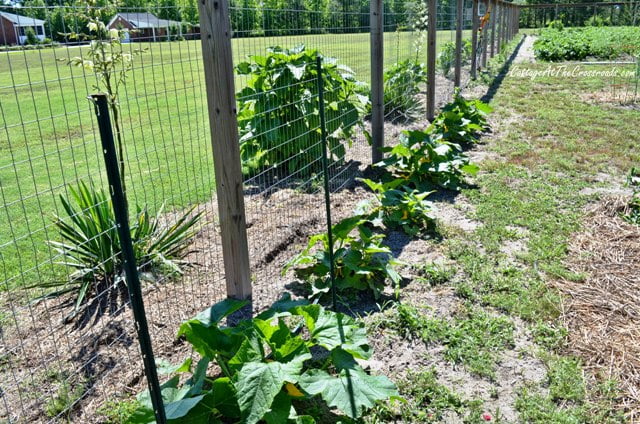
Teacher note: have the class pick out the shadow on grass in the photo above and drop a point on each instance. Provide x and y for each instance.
(504, 70)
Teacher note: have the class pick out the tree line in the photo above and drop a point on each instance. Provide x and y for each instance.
(580, 15)
(248, 17)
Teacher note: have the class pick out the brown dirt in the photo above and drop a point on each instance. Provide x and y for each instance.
(602, 312)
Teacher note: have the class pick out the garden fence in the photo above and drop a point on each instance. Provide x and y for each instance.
(252, 219)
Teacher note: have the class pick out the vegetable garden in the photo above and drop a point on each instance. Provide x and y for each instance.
(315, 213)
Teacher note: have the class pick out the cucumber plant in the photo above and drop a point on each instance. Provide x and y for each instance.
(399, 207)
(278, 110)
(272, 368)
(424, 163)
(361, 261)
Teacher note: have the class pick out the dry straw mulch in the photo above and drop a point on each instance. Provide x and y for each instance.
(602, 312)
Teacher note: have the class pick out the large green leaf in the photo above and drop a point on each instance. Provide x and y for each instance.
(331, 329)
(220, 310)
(259, 383)
(353, 391)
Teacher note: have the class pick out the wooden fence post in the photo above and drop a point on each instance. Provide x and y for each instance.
(431, 59)
(215, 30)
(377, 80)
(474, 38)
(459, 25)
(485, 38)
(494, 11)
(501, 29)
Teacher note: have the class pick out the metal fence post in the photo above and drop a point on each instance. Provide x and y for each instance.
(325, 170)
(459, 25)
(129, 259)
(377, 80)
(432, 8)
(474, 38)
(215, 27)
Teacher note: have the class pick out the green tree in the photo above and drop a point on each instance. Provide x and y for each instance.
(132, 5)
(34, 9)
(189, 12)
(168, 9)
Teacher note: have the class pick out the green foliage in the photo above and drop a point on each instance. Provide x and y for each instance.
(549, 336)
(400, 208)
(423, 163)
(31, 38)
(597, 21)
(401, 89)
(447, 56)
(473, 338)
(279, 110)
(269, 367)
(557, 25)
(461, 120)
(118, 411)
(566, 380)
(538, 409)
(633, 214)
(579, 43)
(361, 260)
(91, 245)
(64, 399)
(436, 274)
(109, 63)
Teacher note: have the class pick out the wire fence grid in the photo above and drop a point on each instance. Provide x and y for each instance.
(54, 369)
(623, 13)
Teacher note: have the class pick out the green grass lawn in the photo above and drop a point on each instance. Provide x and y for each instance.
(47, 137)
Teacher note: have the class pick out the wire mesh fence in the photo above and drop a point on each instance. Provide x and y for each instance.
(50, 147)
(624, 13)
(68, 345)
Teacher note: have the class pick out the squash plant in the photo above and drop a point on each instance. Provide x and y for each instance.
(270, 366)
(461, 120)
(423, 163)
(400, 207)
(361, 261)
(475, 111)
(278, 110)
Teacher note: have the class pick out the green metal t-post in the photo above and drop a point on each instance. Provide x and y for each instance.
(129, 259)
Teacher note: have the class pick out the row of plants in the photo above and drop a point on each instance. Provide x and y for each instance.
(559, 44)
(279, 124)
(278, 108)
(421, 163)
(298, 362)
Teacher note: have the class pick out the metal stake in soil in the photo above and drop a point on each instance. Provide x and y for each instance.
(325, 170)
(130, 268)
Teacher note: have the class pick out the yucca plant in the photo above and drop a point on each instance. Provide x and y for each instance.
(91, 246)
